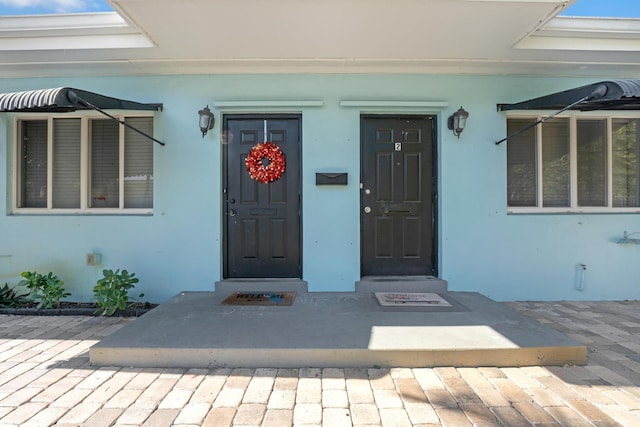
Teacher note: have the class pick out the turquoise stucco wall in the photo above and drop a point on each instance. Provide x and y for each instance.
(481, 248)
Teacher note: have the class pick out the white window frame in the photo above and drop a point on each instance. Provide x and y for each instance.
(85, 164)
(573, 117)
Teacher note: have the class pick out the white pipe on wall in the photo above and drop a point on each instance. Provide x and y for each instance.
(582, 269)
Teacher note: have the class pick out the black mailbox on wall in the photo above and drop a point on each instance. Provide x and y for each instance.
(331, 178)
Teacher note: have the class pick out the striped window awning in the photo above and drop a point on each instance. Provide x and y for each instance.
(606, 95)
(65, 99)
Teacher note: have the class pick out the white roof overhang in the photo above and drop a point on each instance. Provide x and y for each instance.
(328, 36)
(586, 34)
(75, 31)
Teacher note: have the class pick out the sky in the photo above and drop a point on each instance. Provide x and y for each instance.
(605, 8)
(36, 7)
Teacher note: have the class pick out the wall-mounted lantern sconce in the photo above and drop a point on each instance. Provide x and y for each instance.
(206, 120)
(628, 240)
(457, 121)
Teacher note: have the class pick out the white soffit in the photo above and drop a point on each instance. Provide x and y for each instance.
(319, 36)
(69, 31)
(337, 29)
(584, 33)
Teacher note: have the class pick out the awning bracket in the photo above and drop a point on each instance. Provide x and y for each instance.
(597, 93)
(73, 97)
(542, 120)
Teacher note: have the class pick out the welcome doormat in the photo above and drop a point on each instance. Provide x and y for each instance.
(260, 298)
(411, 299)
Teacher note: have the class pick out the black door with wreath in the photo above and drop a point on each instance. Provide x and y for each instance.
(262, 219)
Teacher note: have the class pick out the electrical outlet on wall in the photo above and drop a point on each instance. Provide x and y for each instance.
(94, 259)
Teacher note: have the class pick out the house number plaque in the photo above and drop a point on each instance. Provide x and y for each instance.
(398, 146)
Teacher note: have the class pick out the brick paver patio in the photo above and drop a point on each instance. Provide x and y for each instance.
(46, 379)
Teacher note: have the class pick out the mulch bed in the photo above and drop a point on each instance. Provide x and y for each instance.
(68, 308)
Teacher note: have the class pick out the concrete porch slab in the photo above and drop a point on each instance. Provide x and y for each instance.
(333, 329)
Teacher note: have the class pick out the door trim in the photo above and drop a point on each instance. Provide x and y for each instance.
(435, 208)
(225, 176)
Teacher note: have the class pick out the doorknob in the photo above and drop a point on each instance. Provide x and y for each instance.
(367, 209)
(232, 212)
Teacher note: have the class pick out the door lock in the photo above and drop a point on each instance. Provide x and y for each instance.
(367, 209)
(232, 212)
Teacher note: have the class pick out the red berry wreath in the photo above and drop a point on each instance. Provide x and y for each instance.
(269, 172)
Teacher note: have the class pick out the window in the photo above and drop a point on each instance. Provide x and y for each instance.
(83, 164)
(575, 163)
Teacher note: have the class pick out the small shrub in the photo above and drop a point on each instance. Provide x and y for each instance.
(48, 289)
(112, 291)
(10, 298)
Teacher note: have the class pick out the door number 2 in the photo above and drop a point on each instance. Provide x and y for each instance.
(398, 146)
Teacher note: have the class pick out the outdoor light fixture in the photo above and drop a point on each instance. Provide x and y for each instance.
(628, 240)
(457, 121)
(206, 120)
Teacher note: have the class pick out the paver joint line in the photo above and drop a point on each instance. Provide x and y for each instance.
(46, 379)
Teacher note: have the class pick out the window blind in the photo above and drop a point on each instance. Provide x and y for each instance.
(626, 169)
(555, 163)
(521, 164)
(592, 158)
(66, 163)
(105, 162)
(138, 164)
(33, 180)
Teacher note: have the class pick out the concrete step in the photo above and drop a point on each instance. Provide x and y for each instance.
(401, 284)
(332, 329)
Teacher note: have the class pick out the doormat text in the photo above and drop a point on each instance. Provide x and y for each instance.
(260, 298)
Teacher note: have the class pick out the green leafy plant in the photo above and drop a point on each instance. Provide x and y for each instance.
(10, 298)
(48, 289)
(112, 291)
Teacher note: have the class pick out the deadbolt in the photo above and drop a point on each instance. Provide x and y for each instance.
(367, 209)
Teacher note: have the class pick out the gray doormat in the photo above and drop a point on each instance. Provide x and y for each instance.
(411, 299)
(454, 305)
(260, 298)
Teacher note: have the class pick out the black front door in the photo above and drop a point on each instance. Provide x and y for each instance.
(262, 221)
(397, 196)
